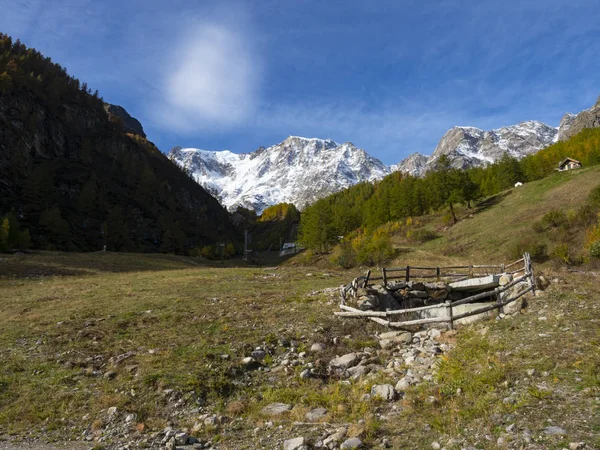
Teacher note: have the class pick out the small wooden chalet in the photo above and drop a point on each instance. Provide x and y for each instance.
(569, 164)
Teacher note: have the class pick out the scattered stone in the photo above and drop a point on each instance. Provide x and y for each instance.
(434, 333)
(293, 444)
(436, 445)
(393, 338)
(111, 374)
(315, 415)
(305, 374)
(258, 354)
(383, 391)
(576, 445)
(181, 438)
(247, 360)
(317, 347)
(555, 431)
(351, 443)
(276, 409)
(345, 361)
(402, 384)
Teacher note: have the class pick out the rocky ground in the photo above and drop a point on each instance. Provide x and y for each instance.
(328, 391)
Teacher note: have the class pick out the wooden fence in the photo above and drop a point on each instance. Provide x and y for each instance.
(441, 273)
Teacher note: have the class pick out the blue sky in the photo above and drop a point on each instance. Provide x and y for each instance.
(389, 76)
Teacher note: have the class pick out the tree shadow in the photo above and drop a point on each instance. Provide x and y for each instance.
(489, 202)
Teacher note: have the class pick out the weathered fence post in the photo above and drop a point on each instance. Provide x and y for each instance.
(384, 277)
(407, 274)
(449, 314)
(437, 273)
(367, 278)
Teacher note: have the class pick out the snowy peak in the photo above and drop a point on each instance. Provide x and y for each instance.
(298, 170)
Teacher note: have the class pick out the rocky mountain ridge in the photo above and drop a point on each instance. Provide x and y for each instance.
(302, 170)
(298, 170)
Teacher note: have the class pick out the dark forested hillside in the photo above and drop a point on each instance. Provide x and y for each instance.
(77, 181)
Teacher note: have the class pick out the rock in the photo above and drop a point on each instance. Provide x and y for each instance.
(368, 302)
(339, 434)
(258, 354)
(514, 307)
(383, 391)
(276, 409)
(293, 444)
(418, 294)
(345, 361)
(402, 384)
(247, 360)
(415, 286)
(171, 444)
(181, 438)
(542, 282)
(555, 431)
(305, 374)
(130, 124)
(436, 445)
(393, 338)
(315, 415)
(576, 445)
(434, 333)
(130, 418)
(351, 443)
(111, 374)
(357, 371)
(317, 347)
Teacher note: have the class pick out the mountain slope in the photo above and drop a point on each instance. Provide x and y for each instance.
(76, 180)
(298, 171)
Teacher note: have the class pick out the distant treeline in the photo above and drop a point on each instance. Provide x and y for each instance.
(399, 196)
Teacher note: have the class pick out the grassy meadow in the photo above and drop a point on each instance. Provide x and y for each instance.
(80, 333)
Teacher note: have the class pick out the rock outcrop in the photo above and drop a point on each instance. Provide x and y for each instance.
(130, 124)
(570, 125)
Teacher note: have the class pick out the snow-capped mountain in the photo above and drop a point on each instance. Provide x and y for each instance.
(473, 147)
(298, 170)
(301, 170)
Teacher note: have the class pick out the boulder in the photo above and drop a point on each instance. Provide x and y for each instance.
(393, 338)
(315, 415)
(294, 444)
(352, 443)
(345, 361)
(368, 302)
(276, 409)
(384, 392)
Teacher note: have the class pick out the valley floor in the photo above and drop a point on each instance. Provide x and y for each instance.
(111, 349)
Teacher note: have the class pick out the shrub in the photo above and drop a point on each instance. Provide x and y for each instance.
(595, 250)
(561, 253)
(364, 249)
(553, 219)
(423, 235)
(536, 248)
(343, 255)
(594, 197)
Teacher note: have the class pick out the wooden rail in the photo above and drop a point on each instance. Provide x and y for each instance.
(379, 316)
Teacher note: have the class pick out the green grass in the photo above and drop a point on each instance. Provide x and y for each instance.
(64, 316)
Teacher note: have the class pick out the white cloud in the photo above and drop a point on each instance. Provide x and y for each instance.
(211, 80)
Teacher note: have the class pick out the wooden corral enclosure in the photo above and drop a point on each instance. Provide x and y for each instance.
(500, 283)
